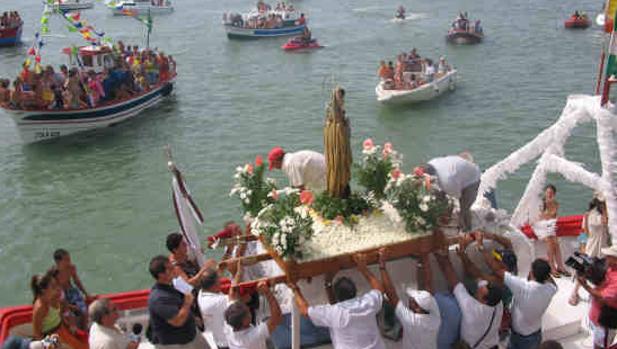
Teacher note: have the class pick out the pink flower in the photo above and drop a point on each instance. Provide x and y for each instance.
(249, 169)
(306, 197)
(418, 171)
(388, 149)
(395, 174)
(275, 195)
(259, 161)
(368, 144)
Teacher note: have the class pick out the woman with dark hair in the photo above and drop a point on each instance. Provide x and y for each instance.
(47, 311)
(546, 229)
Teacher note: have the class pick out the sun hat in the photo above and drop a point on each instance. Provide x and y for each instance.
(423, 298)
(275, 153)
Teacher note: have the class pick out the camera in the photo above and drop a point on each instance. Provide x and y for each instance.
(591, 268)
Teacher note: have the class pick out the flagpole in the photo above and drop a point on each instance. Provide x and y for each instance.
(148, 28)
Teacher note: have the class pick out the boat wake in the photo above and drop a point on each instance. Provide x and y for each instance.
(408, 18)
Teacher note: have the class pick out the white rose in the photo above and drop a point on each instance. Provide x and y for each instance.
(423, 207)
(239, 169)
(426, 198)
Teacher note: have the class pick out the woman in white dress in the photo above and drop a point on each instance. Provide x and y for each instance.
(595, 225)
(545, 230)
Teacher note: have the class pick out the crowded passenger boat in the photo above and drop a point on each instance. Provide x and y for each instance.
(414, 79)
(463, 31)
(265, 21)
(101, 86)
(140, 7)
(72, 5)
(10, 28)
(578, 20)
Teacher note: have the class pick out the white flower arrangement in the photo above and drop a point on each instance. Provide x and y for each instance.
(251, 187)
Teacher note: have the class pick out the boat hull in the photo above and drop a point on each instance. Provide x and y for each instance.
(464, 38)
(10, 37)
(250, 33)
(41, 125)
(420, 94)
(577, 24)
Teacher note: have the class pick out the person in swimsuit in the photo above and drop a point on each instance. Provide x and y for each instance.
(47, 310)
(545, 229)
(70, 284)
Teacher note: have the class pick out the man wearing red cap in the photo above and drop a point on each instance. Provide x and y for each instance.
(304, 168)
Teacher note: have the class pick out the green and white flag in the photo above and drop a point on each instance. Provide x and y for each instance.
(611, 66)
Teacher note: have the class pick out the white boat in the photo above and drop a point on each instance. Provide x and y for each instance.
(425, 92)
(36, 125)
(72, 5)
(140, 7)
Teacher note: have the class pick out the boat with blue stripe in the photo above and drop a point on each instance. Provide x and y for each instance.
(264, 24)
(11, 36)
(36, 125)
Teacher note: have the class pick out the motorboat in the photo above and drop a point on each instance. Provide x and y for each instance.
(577, 22)
(140, 7)
(254, 25)
(298, 44)
(387, 94)
(72, 5)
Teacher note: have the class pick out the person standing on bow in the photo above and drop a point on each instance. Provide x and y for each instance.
(306, 169)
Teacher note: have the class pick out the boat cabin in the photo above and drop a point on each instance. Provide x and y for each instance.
(91, 58)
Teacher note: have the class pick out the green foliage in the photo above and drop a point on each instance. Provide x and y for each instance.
(331, 208)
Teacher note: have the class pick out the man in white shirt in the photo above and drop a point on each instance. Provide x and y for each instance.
(458, 177)
(530, 299)
(306, 169)
(104, 332)
(212, 305)
(420, 317)
(481, 314)
(351, 319)
(239, 331)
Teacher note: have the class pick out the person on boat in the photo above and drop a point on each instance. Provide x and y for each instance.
(478, 27)
(429, 71)
(576, 15)
(104, 332)
(595, 227)
(301, 20)
(545, 229)
(213, 302)
(443, 67)
(71, 285)
(305, 169)
(400, 12)
(18, 342)
(306, 36)
(47, 311)
(383, 71)
(171, 319)
(183, 266)
(481, 312)
(5, 91)
(603, 299)
(531, 297)
(413, 82)
(419, 316)
(240, 332)
(458, 177)
(398, 72)
(350, 318)
(390, 70)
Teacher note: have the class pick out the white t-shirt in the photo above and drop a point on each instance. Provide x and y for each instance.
(212, 307)
(305, 167)
(419, 330)
(102, 337)
(352, 323)
(253, 337)
(455, 173)
(476, 318)
(430, 70)
(529, 302)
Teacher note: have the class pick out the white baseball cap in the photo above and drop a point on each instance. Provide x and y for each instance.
(424, 299)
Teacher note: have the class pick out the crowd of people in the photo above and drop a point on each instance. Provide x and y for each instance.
(10, 20)
(462, 22)
(131, 71)
(411, 71)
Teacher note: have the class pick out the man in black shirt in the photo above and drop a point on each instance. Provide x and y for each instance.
(172, 322)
